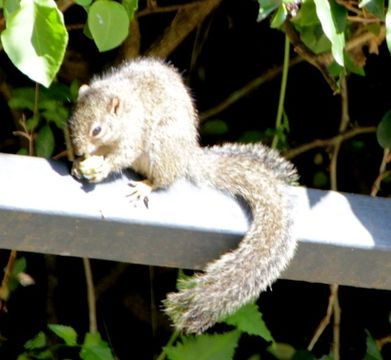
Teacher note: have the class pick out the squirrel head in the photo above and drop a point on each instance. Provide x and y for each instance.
(95, 122)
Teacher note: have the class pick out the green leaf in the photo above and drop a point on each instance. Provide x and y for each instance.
(303, 355)
(131, 7)
(215, 127)
(57, 91)
(23, 151)
(205, 347)
(320, 179)
(266, 7)
(251, 136)
(281, 350)
(66, 333)
(19, 266)
(333, 19)
(10, 7)
(279, 17)
(37, 342)
(74, 90)
(45, 142)
(35, 39)
(306, 15)
(373, 353)
(352, 67)
(388, 28)
(108, 22)
(83, 2)
(310, 28)
(94, 348)
(23, 356)
(248, 319)
(375, 7)
(315, 39)
(22, 98)
(383, 131)
(32, 123)
(58, 116)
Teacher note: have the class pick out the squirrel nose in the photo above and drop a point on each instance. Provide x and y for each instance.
(91, 148)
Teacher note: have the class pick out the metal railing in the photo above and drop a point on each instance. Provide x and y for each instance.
(344, 238)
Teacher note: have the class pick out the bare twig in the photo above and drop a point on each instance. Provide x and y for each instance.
(110, 279)
(289, 154)
(348, 5)
(247, 89)
(185, 21)
(326, 320)
(4, 289)
(382, 173)
(165, 9)
(131, 46)
(336, 325)
(342, 128)
(362, 20)
(153, 307)
(356, 42)
(90, 296)
(64, 5)
(24, 133)
(321, 62)
(383, 341)
(333, 305)
(364, 38)
(345, 120)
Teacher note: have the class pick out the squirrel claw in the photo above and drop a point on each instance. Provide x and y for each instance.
(142, 190)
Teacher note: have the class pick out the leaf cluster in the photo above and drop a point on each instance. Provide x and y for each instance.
(247, 320)
(92, 348)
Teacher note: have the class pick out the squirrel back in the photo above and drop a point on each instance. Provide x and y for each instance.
(141, 115)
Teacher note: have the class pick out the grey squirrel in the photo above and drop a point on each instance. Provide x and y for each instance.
(141, 115)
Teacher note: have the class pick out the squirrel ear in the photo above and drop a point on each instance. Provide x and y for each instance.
(115, 106)
(83, 89)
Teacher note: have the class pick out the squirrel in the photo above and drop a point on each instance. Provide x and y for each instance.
(141, 115)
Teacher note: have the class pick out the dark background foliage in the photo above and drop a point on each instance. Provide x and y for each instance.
(229, 49)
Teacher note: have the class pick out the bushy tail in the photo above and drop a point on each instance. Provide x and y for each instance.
(258, 175)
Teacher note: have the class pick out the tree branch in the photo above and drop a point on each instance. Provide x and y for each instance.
(185, 20)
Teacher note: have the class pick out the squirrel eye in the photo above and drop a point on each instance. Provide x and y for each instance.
(96, 131)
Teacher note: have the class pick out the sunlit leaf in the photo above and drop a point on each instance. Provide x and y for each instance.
(205, 347)
(108, 22)
(383, 132)
(266, 7)
(249, 320)
(373, 352)
(388, 28)
(375, 7)
(130, 6)
(66, 333)
(94, 348)
(35, 39)
(331, 16)
(36, 342)
(279, 17)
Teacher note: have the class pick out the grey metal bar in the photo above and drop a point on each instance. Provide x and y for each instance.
(344, 238)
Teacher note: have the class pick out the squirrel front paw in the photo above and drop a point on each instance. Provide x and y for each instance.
(141, 191)
(94, 168)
